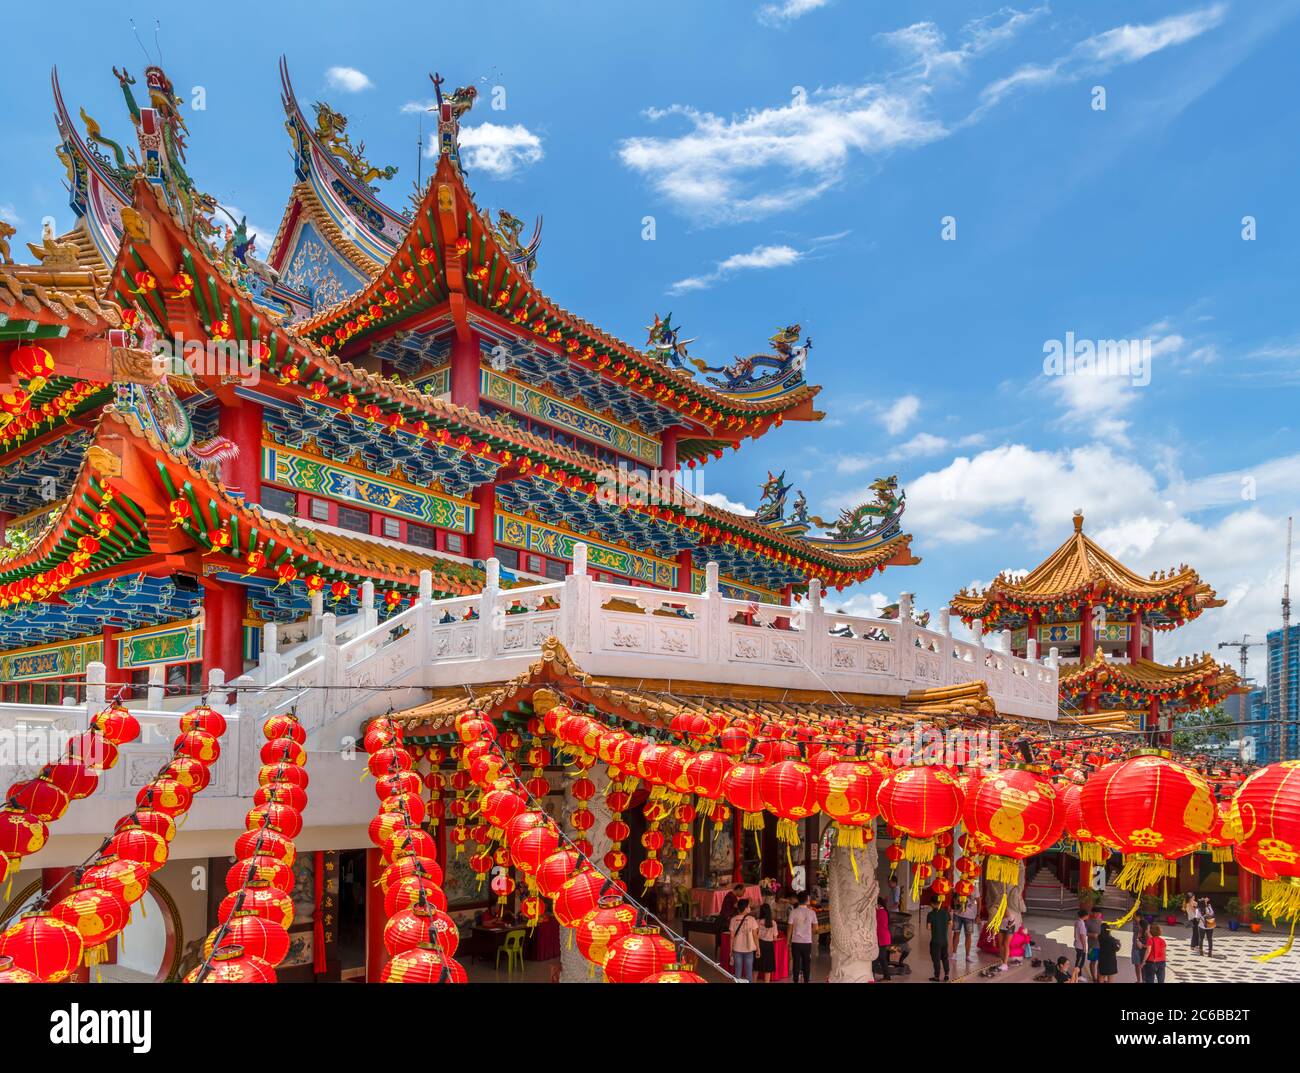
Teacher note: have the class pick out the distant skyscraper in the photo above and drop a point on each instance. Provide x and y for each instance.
(1285, 737)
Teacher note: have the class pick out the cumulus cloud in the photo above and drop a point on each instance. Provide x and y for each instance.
(499, 149)
(900, 414)
(347, 79)
(717, 499)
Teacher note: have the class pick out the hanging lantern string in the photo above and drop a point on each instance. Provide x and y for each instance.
(79, 870)
(643, 911)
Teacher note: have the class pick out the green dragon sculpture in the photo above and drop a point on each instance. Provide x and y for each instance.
(879, 518)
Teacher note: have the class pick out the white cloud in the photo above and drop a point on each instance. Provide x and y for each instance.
(900, 414)
(10, 214)
(415, 107)
(787, 11)
(767, 160)
(1102, 52)
(717, 499)
(498, 149)
(759, 257)
(347, 79)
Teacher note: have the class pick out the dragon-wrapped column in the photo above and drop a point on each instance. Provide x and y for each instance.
(854, 889)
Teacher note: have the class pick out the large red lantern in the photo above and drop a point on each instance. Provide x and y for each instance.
(413, 890)
(846, 792)
(642, 952)
(410, 866)
(134, 844)
(920, 801)
(1152, 809)
(1265, 819)
(47, 947)
(21, 833)
(165, 795)
(555, 870)
(116, 724)
(1221, 837)
(742, 785)
(128, 879)
(578, 895)
(267, 869)
(265, 842)
(38, 797)
(677, 973)
(280, 818)
(72, 777)
(203, 718)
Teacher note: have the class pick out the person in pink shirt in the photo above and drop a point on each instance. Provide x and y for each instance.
(884, 940)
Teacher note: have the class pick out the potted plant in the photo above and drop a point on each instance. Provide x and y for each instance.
(1088, 898)
(1235, 913)
(1150, 904)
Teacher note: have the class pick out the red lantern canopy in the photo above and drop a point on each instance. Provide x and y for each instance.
(642, 952)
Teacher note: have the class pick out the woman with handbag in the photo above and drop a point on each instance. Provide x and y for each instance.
(744, 942)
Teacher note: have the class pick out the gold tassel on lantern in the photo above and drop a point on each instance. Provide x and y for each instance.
(919, 850)
(1280, 899)
(1089, 852)
(1137, 901)
(787, 831)
(1141, 870)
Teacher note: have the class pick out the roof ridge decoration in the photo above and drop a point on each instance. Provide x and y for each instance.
(856, 529)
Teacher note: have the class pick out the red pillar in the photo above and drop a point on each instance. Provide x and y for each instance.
(668, 454)
(685, 570)
(482, 543)
(1135, 637)
(1031, 630)
(1245, 893)
(241, 423)
(737, 845)
(113, 673)
(5, 519)
(61, 882)
(223, 628)
(376, 955)
(1087, 639)
(465, 371)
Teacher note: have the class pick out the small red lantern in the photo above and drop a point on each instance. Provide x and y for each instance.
(642, 952)
(46, 946)
(231, 965)
(258, 936)
(425, 964)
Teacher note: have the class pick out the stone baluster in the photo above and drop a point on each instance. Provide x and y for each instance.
(489, 627)
(577, 605)
(96, 690)
(369, 616)
(157, 679)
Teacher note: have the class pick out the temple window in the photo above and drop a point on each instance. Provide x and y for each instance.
(507, 557)
(453, 543)
(390, 527)
(279, 500)
(419, 535)
(356, 520)
(318, 509)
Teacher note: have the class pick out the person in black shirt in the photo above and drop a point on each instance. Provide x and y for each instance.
(939, 922)
(1061, 971)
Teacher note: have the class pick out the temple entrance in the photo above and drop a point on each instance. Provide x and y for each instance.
(352, 913)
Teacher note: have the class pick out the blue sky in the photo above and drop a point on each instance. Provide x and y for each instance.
(799, 159)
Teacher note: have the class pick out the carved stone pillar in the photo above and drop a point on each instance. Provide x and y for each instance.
(853, 914)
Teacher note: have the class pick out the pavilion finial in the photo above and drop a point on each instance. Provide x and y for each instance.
(1078, 520)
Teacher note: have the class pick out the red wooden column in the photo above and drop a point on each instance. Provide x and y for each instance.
(685, 570)
(1245, 892)
(482, 543)
(668, 452)
(113, 673)
(376, 955)
(737, 845)
(1135, 637)
(1087, 639)
(241, 423)
(223, 628)
(465, 371)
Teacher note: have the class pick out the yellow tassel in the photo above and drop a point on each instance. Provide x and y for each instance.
(1089, 852)
(1220, 874)
(1281, 950)
(853, 860)
(919, 850)
(1003, 870)
(995, 920)
(1137, 901)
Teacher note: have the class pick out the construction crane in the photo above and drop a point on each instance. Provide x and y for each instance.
(1242, 645)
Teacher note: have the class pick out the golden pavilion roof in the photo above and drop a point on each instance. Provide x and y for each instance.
(1191, 682)
(1081, 569)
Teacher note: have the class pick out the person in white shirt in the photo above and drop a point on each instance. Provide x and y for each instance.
(803, 925)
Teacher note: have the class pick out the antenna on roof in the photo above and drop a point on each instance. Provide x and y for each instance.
(157, 28)
(136, 32)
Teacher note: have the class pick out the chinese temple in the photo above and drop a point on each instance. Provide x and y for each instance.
(372, 514)
(1102, 618)
(388, 390)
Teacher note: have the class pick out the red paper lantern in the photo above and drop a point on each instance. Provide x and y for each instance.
(1012, 815)
(1086, 846)
(1265, 820)
(846, 792)
(231, 965)
(920, 801)
(281, 793)
(39, 798)
(127, 879)
(97, 914)
(259, 899)
(148, 820)
(135, 844)
(413, 890)
(611, 919)
(284, 726)
(425, 964)
(288, 751)
(410, 866)
(21, 833)
(260, 938)
(279, 818)
(677, 973)
(642, 952)
(554, 870)
(409, 928)
(116, 724)
(1152, 809)
(269, 773)
(203, 718)
(409, 842)
(266, 869)
(46, 946)
(193, 774)
(742, 786)
(200, 745)
(165, 795)
(72, 777)
(264, 842)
